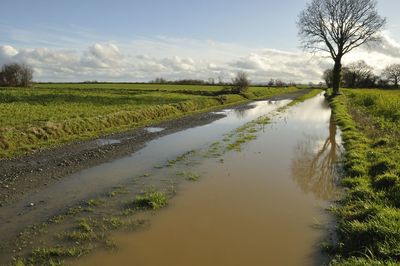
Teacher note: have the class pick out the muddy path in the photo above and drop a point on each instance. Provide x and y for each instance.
(31, 173)
(50, 182)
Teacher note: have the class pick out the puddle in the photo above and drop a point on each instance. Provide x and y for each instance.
(105, 142)
(260, 206)
(264, 205)
(154, 129)
(95, 181)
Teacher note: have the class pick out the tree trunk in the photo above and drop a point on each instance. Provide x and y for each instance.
(337, 69)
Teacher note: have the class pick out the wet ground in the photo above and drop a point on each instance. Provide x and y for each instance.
(264, 205)
(31, 173)
(260, 197)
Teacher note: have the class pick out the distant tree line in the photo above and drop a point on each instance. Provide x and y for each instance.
(16, 75)
(183, 81)
(280, 83)
(360, 75)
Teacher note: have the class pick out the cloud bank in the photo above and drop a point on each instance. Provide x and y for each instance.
(146, 59)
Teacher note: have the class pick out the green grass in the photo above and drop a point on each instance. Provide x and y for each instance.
(369, 214)
(129, 86)
(55, 255)
(52, 114)
(151, 200)
(190, 176)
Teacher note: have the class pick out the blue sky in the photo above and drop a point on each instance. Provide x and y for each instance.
(167, 37)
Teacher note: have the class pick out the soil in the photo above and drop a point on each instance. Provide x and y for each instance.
(33, 172)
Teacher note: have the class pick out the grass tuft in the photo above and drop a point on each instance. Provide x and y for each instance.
(150, 200)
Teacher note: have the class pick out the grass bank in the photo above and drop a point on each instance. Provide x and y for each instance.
(52, 114)
(369, 214)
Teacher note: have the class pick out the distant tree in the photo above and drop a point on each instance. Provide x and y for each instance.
(188, 82)
(271, 82)
(159, 81)
(337, 27)
(2, 81)
(382, 83)
(392, 74)
(240, 83)
(16, 75)
(358, 74)
(328, 77)
(280, 83)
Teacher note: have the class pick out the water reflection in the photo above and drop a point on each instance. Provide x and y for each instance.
(315, 164)
(255, 108)
(154, 129)
(105, 142)
(240, 112)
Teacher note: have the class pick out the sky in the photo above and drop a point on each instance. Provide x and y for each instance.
(123, 40)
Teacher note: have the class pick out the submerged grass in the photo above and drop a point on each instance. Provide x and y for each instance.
(369, 214)
(150, 200)
(190, 176)
(78, 233)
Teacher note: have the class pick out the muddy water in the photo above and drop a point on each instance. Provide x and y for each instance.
(38, 207)
(264, 205)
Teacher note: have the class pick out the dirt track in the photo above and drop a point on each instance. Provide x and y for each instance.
(22, 175)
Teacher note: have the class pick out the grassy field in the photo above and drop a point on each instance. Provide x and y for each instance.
(52, 114)
(369, 214)
(129, 86)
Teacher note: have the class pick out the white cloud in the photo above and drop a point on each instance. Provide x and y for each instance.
(388, 46)
(102, 56)
(146, 59)
(288, 66)
(377, 55)
(7, 52)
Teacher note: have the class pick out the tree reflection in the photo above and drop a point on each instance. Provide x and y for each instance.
(241, 112)
(314, 166)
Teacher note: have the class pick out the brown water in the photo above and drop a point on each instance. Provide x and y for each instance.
(74, 190)
(264, 205)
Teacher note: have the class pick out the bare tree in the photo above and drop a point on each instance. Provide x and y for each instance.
(240, 83)
(16, 75)
(392, 73)
(358, 74)
(338, 27)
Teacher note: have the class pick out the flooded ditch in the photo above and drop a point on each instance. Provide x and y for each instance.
(264, 178)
